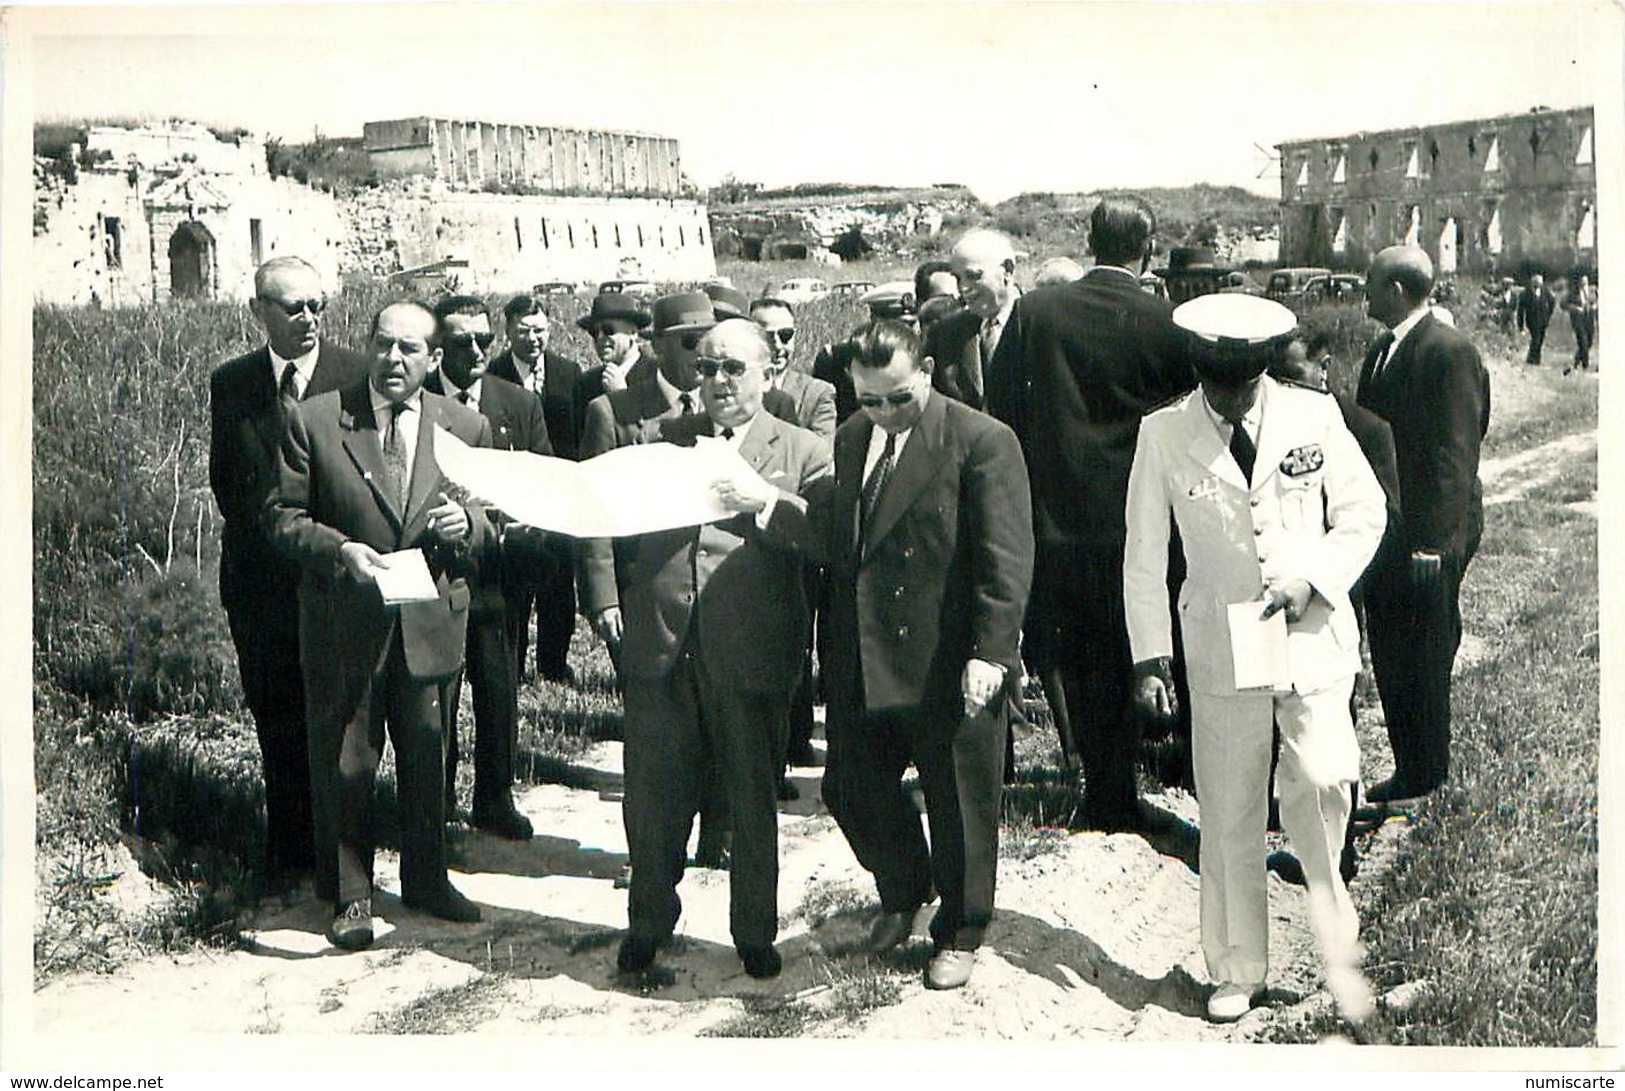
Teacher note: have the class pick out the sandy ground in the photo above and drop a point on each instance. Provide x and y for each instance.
(1095, 937)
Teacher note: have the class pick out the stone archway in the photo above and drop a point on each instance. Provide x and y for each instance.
(191, 262)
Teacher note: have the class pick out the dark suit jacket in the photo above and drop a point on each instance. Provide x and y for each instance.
(1077, 367)
(1435, 395)
(825, 368)
(946, 565)
(559, 377)
(330, 491)
(737, 588)
(1535, 312)
(517, 424)
(245, 431)
(1376, 442)
(955, 344)
(814, 402)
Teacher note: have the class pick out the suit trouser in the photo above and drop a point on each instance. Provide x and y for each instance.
(801, 702)
(1079, 638)
(489, 664)
(676, 727)
(1414, 635)
(961, 767)
(1537, 338)
(552, 594)
(1585, 331)
(1319, 760)
(344, 756)
(266, 636)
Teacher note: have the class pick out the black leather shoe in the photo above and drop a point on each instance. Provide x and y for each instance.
(1287, 866)
(788, 793)
(762, 961)
(712, 851)
(1396, 792)
(636, 955)
(447, 903)
(803, 755)
(352, 925)
(890, 930)
(506, 822)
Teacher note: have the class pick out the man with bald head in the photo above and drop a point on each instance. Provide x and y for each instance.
(1426, 380)
(714, 625)
(1080, 365)
(984, 266)
(358, 483)
(248, 403)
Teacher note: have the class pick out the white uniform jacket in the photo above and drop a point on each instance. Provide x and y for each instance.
(1314, 512)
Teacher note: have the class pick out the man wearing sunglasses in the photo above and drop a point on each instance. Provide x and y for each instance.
(715, 630)
(248, 400)
(547, 590)
(357, 481)
(615, 323)
(517, 424)
(929, 540)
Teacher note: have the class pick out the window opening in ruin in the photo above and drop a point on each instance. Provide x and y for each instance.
(546, 244)
(1413, 226)
(571, 230)
(617, 236)
(256, 242)
(1303, 174)
(640, 236)
(1340, 233)
(1449, 239)
(1340, 172)
(681, 239)
(1583, 156)
(1587, 237)
(594, 235)
(191, 262)
(1492, 158)
(662, 236)
(518, 235)
(1534, 142)
(1411, 170)
(1373, 158)
(701, 230)
(113, 241)
(1492, 231)
(1433, 155)
(1472, 148)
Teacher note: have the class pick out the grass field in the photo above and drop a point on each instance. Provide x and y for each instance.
(140, 740)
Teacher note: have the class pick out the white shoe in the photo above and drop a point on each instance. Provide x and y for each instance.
(1231, 1001)
(949, 969)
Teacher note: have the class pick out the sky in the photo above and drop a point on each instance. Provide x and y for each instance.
(1003, 97)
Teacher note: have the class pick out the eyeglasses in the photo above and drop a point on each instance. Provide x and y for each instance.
(534, 333)
(895, 399)
(293, 308)
(604, 331)
(469, 340)
(708, 367)
(690, 342)
(785, 335)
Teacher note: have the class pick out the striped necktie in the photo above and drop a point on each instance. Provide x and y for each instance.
(395, 456)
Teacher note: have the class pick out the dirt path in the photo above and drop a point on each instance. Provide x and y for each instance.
(1095, 939)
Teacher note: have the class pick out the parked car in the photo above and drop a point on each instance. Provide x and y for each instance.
(1287, 285)
(554, 287)
(802, 290)
(1236, 282)
(1336, 288)
(851, 288)
(629, 287)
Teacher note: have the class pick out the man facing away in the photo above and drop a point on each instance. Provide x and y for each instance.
(1079, 366)
(248, 402)
(1426, 380)
(547, 589)
(927, 533)
(358, 480)
(715, 626)
(516, 422)
(1278, 513)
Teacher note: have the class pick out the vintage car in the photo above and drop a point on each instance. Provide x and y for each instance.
(1287, 285)
(802, 290)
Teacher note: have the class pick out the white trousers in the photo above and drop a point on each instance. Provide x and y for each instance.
(1318, 762)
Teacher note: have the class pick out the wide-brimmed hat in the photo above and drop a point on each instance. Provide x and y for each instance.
(1233, 338)
(613, 305)
(683, 312)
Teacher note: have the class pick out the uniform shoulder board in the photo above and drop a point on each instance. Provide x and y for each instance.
(1166, 403)
(1298, 385)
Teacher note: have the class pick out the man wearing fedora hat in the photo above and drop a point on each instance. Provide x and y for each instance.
(614, 323)
(1278, 513)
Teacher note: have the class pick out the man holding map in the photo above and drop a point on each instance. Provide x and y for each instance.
(1279, 513)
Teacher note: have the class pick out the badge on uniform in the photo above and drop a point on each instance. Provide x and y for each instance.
(1303, 460)
(1205, 489)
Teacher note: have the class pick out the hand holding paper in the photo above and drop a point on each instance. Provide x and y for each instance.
(1258, 646)
(404, 577)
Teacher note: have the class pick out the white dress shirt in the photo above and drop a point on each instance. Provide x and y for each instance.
(304, 367)
(382, 407)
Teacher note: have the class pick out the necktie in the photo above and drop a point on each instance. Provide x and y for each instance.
(687, 401)
(1385, 345)
(287, 391)
(727, 433)
(462, 396)
(876, 481)
(1242, 449)
(395, 456)
(990, 338)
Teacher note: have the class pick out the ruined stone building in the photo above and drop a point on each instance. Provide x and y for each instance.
(150, 214)
(524, 204)
(169, 211)
(1507, 194)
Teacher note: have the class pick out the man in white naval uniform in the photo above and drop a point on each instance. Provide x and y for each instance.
(1286, 515)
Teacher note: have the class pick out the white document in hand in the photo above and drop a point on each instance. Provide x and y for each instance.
(1258, 649)
(406, 578)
